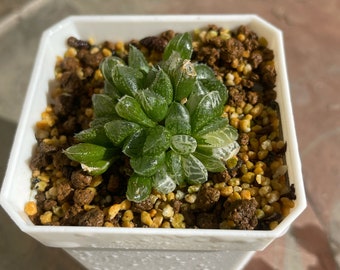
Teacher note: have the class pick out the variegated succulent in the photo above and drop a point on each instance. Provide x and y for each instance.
(166, 118)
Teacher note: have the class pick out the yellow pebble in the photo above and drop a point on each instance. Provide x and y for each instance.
(31, 208)
(226, 191)
(245, 194)
(177, 221)
(46, 217)
(146, 218)
(113, 211)
(106, 52)
(128, 215)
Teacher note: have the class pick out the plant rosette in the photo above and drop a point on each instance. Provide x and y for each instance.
(167, 119)
(172, 128)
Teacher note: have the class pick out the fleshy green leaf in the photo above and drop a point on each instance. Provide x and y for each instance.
(216, 85)
(181, 43)
(209, 107)
(137, 60)
(103, 105)
(222, 153)
(101, 121)
(183, 80)
(157, 141)
(194, 170)
(94, 135)
(178, 119)
(162, 181)
(162, 85)
(111, 91)
(133, 146)
(147, 165)
(129, 109)
(217, 123)
(87, 152)
(138, 188)
(125, 79)
(118, 130)
(153, 104)
(218, 138)
(97, 167)
(196, 96)
(107, 65)
(204, 72)
(212, 164)
(174, 167)
(183, 144)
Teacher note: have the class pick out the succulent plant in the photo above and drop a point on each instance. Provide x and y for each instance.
(166, 118)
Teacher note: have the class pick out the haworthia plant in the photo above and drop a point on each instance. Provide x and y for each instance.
(166, 118)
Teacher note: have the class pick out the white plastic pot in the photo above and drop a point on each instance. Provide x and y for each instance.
(123, 247)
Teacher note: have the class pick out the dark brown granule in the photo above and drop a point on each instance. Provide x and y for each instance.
(49, 204)
(69, 64)
(221, 177)
(64, 192)
(63, 104)
(146, 205)
(207, 197)
(60, 161)
(80, 179)
(72, 215)
(154, 43)
(242, 213)
(90, 59)
(233, 50)
(77, 43)
(83, 196)
(243, 139)
(207, 221)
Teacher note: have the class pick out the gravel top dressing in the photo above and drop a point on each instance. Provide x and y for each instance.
(176, 130)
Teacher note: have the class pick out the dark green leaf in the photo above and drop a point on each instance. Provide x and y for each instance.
(184, 80)
(133, 146)
(125, 79)
(157, 141)
(87, 152)
(111, 91)
(153, 104)
(108, 64)
(216, 85)
(204, 72)
(138, 188)
(103, 105)
(217, 123)
(209, 107)
(118, 130)
(137, 60)
(129, 109)
(196, 96)
(181, 43)
(101, 121)
(147, 165)
(94, 135)
(178, 119)
(97, 167)
(161, 85)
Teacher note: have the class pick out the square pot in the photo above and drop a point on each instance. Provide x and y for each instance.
(16, 190)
